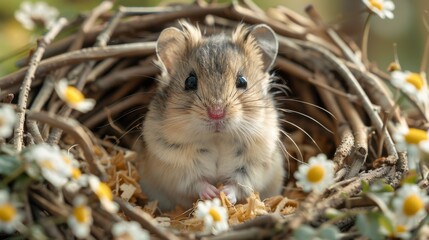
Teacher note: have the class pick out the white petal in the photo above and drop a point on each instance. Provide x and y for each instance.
(389, 5)
(85, 105)
(61, 87)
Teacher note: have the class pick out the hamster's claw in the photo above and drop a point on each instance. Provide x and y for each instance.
(208, 191)
(229, 191)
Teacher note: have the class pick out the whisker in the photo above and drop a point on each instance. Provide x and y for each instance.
(296, 146)
(309, 104)
(302, 130)
(307, 116)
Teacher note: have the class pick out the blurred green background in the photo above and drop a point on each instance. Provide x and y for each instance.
(406, 29)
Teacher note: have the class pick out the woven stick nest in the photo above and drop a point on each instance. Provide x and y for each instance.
(338, 105)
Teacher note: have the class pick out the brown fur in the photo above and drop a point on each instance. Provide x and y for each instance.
(184, 147)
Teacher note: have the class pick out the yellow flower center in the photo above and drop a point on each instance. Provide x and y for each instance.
(73, 95)
(412, 205)
(414, 136)
(215, 215)
(67, 159)
(377, 4)
(81, 213)
(76, 173)
(2, 121)
(416, 80)
(315, 173)
(401, 229)
(47, 164)
(104, 191)
(7, 212)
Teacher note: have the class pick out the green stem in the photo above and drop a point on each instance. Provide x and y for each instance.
(9, 178)
(365, 37)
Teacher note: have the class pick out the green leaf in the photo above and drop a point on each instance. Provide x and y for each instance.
(387, 188)
(368, 226)
(410, 178)
(365, 186)
(386, 223)
(8, 164)
(303, 233)
(329, 233)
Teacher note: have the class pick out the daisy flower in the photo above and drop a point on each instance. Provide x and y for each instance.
(73, 97)
(80, 220)
(103, 192)
(129, 231)
(52, 165)
(413, 84)
(77, 179)
(214, 215)
(9, 215)
(39, 13)
(7, 121)
(397, 230)
(383, 8)
(409, 205)
(411, 140)
(317, 175)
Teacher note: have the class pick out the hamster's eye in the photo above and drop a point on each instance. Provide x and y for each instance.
(241, 82)
(191, 82)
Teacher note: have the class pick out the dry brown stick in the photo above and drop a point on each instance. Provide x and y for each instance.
(89, 22)
(345, 147)
(242, 13)
(29, 76)
(145, 220)
(103, 66)
(55, 135)
(122, 76)
(353, 188)
(360, 133)
(346, 49)
(376, 90)
(76, 131)
(52, 206)
(304, 74)
(102, 39)
(321, 29)
(250, 233)
(335, 200)
(134, 100)
(42, 97)
(143, 22)
(355, 87)
(296, 18)
(346, 139)
(75, 57)
(148, 10)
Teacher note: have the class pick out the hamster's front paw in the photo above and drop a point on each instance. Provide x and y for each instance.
(229, 191)
(208, 191)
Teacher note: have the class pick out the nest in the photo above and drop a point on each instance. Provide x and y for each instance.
(338, 104)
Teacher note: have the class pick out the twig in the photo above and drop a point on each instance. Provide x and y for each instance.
(41, 98)
(360, 133)
(135, 100)
(354, 85)
(77, 132)
(29, 76)
(78, 56)
(145, 221)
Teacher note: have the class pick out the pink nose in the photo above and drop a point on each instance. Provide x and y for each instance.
(216, 112)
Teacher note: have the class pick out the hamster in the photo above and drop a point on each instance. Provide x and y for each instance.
(212, 125)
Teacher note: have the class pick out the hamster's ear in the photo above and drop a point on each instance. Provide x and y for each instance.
(266, 40)
(170, 42)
